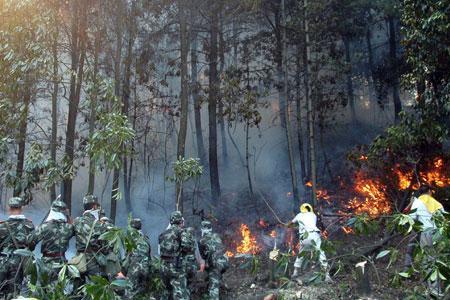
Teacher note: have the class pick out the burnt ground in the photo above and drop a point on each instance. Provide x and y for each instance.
(241, 283)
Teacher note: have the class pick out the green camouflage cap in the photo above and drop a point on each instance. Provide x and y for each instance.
(15, 202)
(176, 217)
(206, 225)
(90, 199)
(136, 223)
(59, 206)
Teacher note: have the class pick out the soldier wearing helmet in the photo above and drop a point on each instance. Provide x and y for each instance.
(54, 233)
(212, 250)
(88, 230)
(15, 233)
(138, 260)
(172, 248)
(309, 237)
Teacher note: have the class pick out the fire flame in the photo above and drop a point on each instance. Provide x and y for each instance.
(273, 234)
(434, 176)
(248, 244)
(373, 200)
(347, 229)
(229, 254)
(323, 194)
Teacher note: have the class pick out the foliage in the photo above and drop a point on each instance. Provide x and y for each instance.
(37, 170)
(185, 169)
(101, 289)
(427, 42)
(112, 140)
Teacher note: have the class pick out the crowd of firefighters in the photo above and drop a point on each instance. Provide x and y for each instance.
(181, 254)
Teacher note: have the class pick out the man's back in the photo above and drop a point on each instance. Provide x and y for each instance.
(55, 236)
(15, 233)
(87, 233)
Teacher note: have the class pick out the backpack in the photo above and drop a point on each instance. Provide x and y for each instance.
(170, 242)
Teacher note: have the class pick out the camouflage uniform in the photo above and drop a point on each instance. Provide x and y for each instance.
(110, 260)
(190, 262)
(87, 233)
(172, 246)
(211, 248)
(15, 233)
(55, 234)
(138, 261)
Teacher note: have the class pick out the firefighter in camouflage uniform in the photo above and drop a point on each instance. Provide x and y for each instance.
(138, 261)
(172, 247)
(212, 250)
(192, 261)
(108, 257)
(15, 233)
(88, 230)
(55, 233)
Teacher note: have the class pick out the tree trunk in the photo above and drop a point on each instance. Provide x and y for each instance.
(247, 163)
(93, 110)
(288, 121)
(393, 59)
(78, 54)
(126, 102)
(115, 191)
(298, 99)
(21, 138)
(280, 70)
(54, 140)
(311, 139)
(196, 100)
(370, 61)
(212, 104)
(349, 80)
(184, 42)
(221, 117)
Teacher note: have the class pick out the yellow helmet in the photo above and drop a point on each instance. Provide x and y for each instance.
(306, 207)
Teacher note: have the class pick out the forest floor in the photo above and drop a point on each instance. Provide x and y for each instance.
(240, 283)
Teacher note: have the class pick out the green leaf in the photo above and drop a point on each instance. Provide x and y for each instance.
(382, 254)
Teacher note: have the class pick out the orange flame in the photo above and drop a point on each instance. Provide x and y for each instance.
(323, 194)
(347, 229)
(372, 200)
(229, 254)
(404, 179)
(273, 234)
(248, 244)
(309, 183)
(436, 176)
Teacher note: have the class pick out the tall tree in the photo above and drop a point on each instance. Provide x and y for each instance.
(196, 98)
(394, 63)
(212, 99)
(287, 114)
(54, 139)
(184, 50)
(78, 38)
(131, 36)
